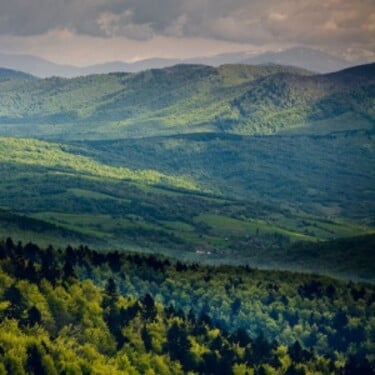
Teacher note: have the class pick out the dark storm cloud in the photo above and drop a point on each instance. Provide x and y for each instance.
(250, 21)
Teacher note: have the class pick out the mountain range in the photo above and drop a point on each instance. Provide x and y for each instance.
(310, 59)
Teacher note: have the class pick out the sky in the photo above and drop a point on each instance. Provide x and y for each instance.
(84, 32)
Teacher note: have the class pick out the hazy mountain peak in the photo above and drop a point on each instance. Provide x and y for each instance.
(302, 57)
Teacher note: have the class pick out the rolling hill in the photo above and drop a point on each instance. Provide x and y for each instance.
(328, 175)
(94, 193)
(234, 99)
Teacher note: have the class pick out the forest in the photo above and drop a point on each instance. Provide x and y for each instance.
(79, 311)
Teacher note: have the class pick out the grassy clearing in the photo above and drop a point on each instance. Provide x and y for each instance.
(230, 226)
(53, 156)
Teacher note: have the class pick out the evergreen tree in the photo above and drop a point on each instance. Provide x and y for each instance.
(33, 316)
(147, 339)
(149, 310)
(178, 344)
(34, 363)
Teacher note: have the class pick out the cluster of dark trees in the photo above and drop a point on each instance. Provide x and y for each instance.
(130, 293)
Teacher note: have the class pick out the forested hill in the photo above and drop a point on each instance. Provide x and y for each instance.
(9, 74)
(80, 312)
(189, 98)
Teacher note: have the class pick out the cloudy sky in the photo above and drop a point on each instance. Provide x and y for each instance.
(84, 32)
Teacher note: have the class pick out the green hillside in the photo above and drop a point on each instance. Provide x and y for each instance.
(29, 152)
(26, 229)
(286, 101)
(187, 98)
(328, 175)
(107, 204)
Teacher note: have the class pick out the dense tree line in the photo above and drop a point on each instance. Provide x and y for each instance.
(78, 311)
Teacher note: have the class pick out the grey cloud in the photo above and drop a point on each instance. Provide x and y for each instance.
(331, 22)
(328, 23)
(32, 17)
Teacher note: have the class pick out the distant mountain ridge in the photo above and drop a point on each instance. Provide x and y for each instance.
(306, 58)
(6, 74)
